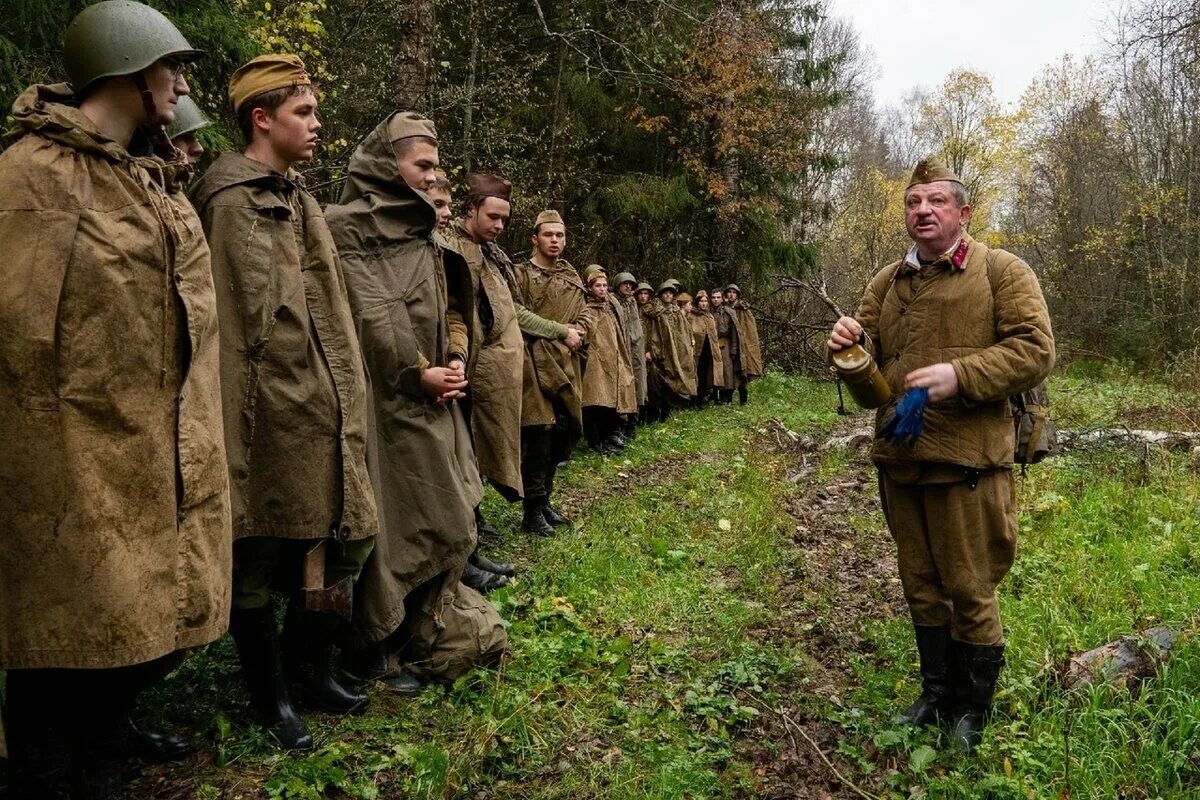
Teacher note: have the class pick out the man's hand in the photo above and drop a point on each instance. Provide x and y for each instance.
(573, 340)
(444, 384)
(846, 332)
(457, 363)
(940, 379)
(649, 356)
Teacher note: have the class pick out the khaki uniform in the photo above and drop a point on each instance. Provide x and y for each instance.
(727, 339)
(114, 497)
(608, 374)
(402, 286)
(292, 380)
(949, 498)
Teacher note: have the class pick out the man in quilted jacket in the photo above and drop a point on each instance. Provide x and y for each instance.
(969, 325)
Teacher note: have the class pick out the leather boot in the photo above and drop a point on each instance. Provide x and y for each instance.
(534, 521)
(982, 665)
(253, 631)
(482, 526)
(743, 395)
(158, 747)
(499, 567)
(40, 742)
(553, 517)
(481, 580)
(937, 693)
(103, 751)
(314, 671)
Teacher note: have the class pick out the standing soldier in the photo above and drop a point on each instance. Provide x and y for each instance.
(747, 360)
(551, 408)
(182, 130)
(496, 365)
(969, 325)
(609, 389)
(631, 317)
(710, 369)
(295, 398)
(443, 200)
(402, 285)
(114, 497)
(727, 339)
(644, 295)
(669, 340)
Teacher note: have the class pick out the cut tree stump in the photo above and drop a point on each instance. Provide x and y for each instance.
(1128, 659)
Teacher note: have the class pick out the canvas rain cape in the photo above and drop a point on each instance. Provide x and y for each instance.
(607, 373)
(400, 283)
(552, 371)
(109, 395)
(496, 364)
(291, 371)
(632, 318)
(669, 340)
(704, 330)
(749, 360)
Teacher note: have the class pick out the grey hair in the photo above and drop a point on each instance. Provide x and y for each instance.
(960, 193)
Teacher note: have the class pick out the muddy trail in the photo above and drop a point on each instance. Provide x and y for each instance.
(840, 579)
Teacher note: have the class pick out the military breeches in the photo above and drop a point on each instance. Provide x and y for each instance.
(954, 545)
(260, 562)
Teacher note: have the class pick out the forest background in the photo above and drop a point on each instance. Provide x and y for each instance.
(738, 140)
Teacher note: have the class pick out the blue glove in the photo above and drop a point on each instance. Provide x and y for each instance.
(908, 423)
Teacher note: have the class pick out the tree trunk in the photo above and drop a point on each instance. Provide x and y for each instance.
(413, 58)
(469, 102)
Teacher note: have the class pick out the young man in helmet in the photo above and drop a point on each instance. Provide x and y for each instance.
(115, 507)
(182, 131)
(669, 340)
(632, 319)
(294, 396)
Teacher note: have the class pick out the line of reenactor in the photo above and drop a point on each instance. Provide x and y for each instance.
(215, 390)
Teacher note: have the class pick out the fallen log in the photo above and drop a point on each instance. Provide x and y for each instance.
(1170, 440)
(1126, 660)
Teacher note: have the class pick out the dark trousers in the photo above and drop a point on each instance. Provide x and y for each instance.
(68, 726)
(542, 448)
(260, 561)
(599, 423)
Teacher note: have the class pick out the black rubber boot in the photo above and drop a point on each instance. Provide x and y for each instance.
(483, 527)
(937, 693)
(743, 395)
(253, 631)
(481, 580)
(40, 740)
(981, 665)
(534, 521)
(629, 427)
(499, 567)
(314, 670)
(103, 751)
(158, 747)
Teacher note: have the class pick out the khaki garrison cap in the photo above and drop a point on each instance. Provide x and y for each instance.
(265, 74)
(550, 215)
(407, 124)
(930, 170)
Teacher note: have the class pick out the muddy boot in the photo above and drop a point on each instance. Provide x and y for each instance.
(157, 747)
(315, 672)
(982, 665)
(533, 521)
(482, 526)
(40, 742)
(937, 694)
(499, 567)
(553, 517)
(481, 580)
(253, 631)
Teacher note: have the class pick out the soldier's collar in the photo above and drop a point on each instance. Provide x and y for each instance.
(956, 257)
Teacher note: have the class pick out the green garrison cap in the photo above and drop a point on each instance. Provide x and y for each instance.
(188, 118)
(119, 37)
(626, 277)
(930, 170)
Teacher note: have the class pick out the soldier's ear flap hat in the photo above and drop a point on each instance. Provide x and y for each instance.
(266, 74)
(548, 216)
(931, 169)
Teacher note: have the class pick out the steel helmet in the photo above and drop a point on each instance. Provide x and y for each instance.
(625, 277)
(188, 118)
(119, 37)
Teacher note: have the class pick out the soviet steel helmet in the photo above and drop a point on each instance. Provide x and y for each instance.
(669, 286)
(119, 37)
(644, 286)
(188, 118)
(625, 277)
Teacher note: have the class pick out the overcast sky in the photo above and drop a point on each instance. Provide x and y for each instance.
(918, 43)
